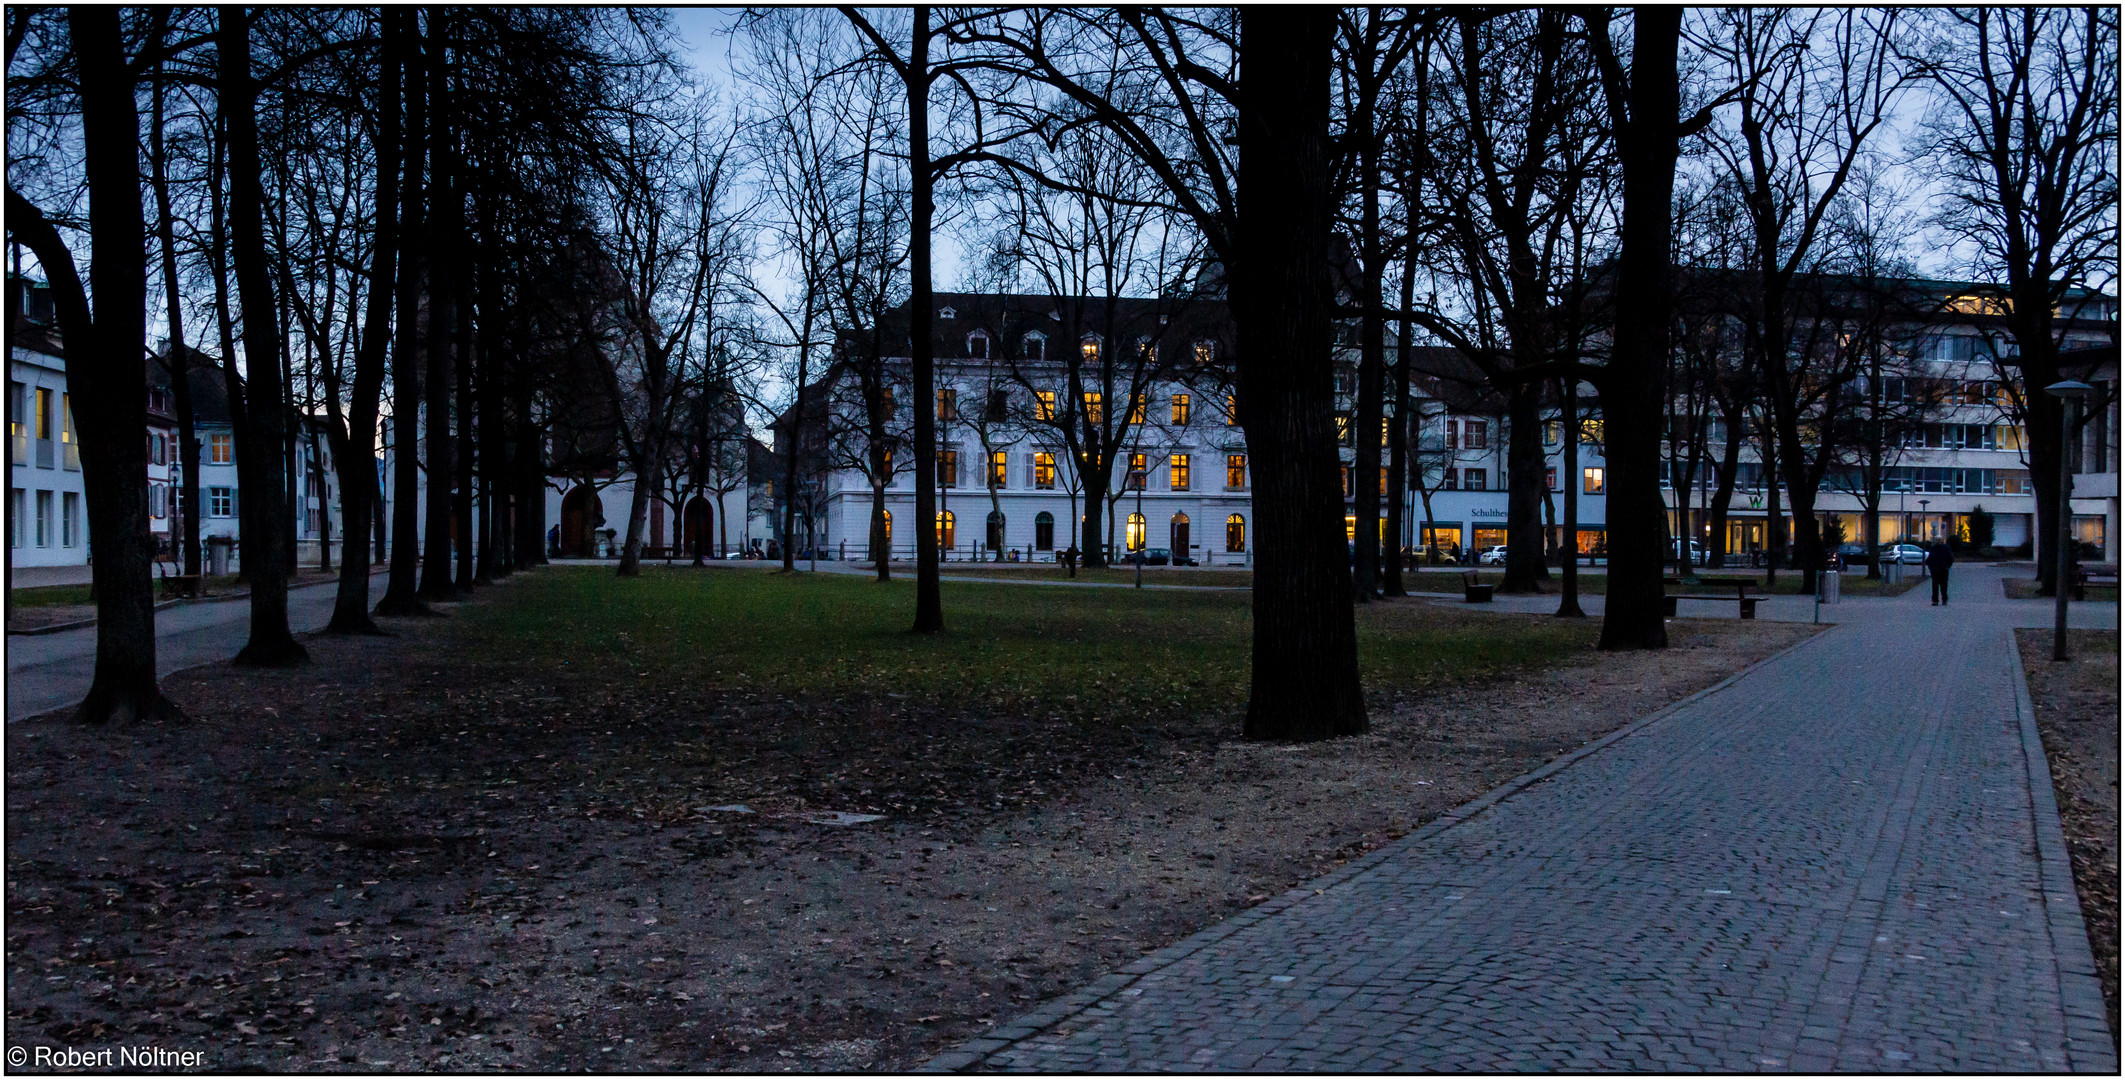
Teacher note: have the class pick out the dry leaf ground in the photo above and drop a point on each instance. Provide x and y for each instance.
(2077, 716)
(489, 842)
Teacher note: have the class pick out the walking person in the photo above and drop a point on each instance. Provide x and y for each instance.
(1938, 560)
(1070, 560)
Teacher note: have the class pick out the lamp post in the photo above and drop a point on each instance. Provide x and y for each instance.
(1136, 480)
(2070, 393)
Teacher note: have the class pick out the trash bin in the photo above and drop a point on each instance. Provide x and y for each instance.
(1830, 580)
(218, 548)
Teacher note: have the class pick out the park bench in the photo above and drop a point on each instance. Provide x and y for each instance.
(2082, 579)
(1473, 592)
(1740, 595)
(176, 585)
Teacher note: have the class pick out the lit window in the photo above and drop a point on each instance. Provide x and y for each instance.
(947, 404)
(999, 469)
(1591, 431)
(1205, 352)
(1180, 410)
(1596, 481)
(1136, 532)
(44, 417)
(221, 449)
(946, 530)
(888, 516)
(1179, 466)
(1044, 405)
(1235, 533)
(1090, 349)
(1232, 410)
(1235, 472)
(1551, 432)
(1136, 472)
(1136, 409)
(1092, 404)
(1044, 471)
(1342, 429)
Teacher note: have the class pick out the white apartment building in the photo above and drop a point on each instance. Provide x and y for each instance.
(47, 510)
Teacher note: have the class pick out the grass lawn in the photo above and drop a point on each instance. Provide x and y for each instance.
(1080, 652)
(50, 596)
(1237, 577)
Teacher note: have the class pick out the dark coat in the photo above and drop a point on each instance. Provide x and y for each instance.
(1940, 558)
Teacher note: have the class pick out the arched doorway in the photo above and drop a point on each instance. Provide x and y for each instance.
(995, 536)
(947, 529)
(698, 527)
(581, 514)
(1180, 538)
(1135, 539)
(1235, 533)
(1044, 531)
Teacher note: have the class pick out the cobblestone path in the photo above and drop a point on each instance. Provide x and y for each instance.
(1837, 860)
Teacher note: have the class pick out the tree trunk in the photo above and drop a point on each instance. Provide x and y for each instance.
(107, 366)
(528, 483)
(1633, 395)
(1524, 565)
(271, 643)
(1304, 679)
(401, 591)
(467, 407)
(929, 606)
(1372, 351)
(357, 463)
(447, 220)
(1568, 604)
(186, 532)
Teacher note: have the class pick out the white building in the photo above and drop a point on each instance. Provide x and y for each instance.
(47, 510)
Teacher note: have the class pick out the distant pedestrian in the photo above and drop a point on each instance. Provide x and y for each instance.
(1069, 557)
(1938, 561)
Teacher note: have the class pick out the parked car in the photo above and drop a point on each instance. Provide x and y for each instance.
(1148, 556)
(1697, 552)
(1907, 554)
(1492, 556)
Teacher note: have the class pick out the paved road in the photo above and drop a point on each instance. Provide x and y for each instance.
(1837, 860)
(48, 671)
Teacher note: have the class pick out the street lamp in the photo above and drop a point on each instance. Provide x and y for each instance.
(1136, 480)
(1922, 519)
(2070, 393)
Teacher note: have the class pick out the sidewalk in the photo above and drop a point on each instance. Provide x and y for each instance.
(1844, 858)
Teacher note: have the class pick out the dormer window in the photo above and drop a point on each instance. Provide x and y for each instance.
(947, 313)
(1035, 346)
(978, 345)
(1090, 348)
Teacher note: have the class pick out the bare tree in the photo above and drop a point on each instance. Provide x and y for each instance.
(1813, 88)
(2025, 134)
(106, 346)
